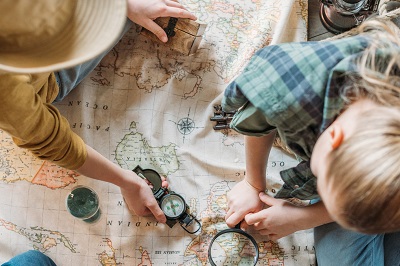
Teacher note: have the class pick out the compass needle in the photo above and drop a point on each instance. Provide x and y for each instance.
(173, 208)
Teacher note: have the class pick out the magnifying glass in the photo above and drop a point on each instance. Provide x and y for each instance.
(233, 246)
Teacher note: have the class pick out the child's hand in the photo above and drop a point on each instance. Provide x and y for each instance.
(143, 12)
(140, 199)
(242, 199)
(277, 221)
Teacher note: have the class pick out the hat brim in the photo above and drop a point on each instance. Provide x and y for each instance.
(95, 26)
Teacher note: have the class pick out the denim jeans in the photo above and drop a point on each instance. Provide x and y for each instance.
(337, 246)
(30, 258)
(68, 79)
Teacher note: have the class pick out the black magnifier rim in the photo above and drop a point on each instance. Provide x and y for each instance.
(233, 230)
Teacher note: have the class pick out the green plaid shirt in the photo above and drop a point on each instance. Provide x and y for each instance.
(293, 88)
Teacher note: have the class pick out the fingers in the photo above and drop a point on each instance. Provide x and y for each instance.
(270, 201)
(253, 218)
(157, 212)
(174, 4)
(269, 234)
(244, 225)
(164, 182)
(232, 219)
(151, 208)
(156, 30)
(141, 201)
(177, 12)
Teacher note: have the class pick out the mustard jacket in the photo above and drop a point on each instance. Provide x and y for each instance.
(26, 113)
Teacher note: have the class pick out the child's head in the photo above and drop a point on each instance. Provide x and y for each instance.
(360, 182)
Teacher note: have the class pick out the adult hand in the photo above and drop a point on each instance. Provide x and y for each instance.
(277, 221)
(143, 12)
(242, 199)
(140, 199)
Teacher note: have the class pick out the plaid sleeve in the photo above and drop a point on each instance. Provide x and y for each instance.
(250, 121)
(233, 98)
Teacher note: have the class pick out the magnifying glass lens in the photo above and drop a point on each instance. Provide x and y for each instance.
(232, 248)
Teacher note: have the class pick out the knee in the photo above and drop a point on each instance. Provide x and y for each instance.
(34, 254)
(30, 257)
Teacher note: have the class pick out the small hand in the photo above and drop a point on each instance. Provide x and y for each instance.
(276, 221)
(140, 199)
(143, 12)
(242, 199)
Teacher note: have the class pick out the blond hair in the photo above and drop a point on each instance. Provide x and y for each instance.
(365, 170)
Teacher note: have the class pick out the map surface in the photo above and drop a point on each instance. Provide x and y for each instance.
(150, 106)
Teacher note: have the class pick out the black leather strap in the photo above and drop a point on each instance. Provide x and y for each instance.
(169, 30)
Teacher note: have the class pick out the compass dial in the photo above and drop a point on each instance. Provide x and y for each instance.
(173, 205)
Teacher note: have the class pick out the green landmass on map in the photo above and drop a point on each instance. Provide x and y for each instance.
(135, 150)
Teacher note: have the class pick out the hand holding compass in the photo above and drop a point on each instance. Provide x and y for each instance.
(172, 204)
(176, 210)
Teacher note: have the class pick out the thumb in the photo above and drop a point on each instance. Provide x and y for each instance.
(157, 30)
(160, 217)
(270, 201)
(157, 212)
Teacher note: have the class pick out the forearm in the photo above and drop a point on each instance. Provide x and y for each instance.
(311, 216)
(257, 150)
(136, 192)
(98, 167)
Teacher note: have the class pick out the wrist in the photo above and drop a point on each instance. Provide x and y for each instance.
(258, 189)
(126, 179)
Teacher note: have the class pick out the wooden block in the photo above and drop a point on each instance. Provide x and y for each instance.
(184, 35)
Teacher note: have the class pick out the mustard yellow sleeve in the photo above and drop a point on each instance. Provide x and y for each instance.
(36, 125)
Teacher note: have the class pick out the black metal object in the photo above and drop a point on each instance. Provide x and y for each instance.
(339, 16)
(186, 220)
(222, 118)
(169, 30)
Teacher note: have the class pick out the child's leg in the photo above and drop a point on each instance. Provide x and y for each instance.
(68, 79)
(30, 258)
(337, 246)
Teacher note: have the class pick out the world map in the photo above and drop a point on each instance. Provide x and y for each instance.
(18, 165)
(147, 105)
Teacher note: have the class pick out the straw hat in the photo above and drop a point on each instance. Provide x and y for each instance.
(48, 35)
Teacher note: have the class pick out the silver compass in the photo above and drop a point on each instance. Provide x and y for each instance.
(172, 204)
